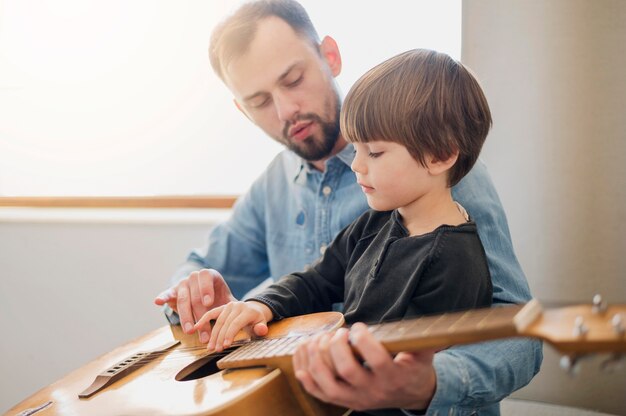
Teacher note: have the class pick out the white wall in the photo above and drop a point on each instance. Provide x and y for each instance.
(75, 285)
(118, 98)
(553, 72)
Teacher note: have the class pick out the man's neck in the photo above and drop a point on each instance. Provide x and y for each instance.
(321, 164)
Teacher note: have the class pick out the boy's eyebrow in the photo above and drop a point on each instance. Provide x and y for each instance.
(280, 78)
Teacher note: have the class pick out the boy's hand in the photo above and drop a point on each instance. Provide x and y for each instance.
(230, 319)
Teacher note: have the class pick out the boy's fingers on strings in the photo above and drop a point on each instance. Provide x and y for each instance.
(220, 327)
(205, 323)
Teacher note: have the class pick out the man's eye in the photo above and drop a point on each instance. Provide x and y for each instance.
(374, 155)
(260, 103)
(295, 82)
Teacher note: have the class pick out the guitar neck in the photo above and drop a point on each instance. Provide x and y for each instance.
(456, 328)
(407, 335)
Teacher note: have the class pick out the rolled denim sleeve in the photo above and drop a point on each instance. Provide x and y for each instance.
(236, 247)
(474, 378)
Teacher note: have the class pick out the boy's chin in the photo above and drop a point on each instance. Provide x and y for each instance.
(378, 206)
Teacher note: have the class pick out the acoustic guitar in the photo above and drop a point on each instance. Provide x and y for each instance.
(169, 373)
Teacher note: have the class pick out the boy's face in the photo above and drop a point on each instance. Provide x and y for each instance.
(286, 88)
(390, 177)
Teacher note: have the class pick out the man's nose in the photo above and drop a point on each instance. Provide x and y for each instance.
(286, 107)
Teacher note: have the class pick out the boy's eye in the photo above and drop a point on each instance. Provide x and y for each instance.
(374, 155)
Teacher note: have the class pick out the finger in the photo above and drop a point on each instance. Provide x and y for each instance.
(346, 364)
(196, 298)
(238, 317)
(204, 324)
(260, 329)
(299, 359)
(206, 283)
(422, 356)
(320, 366)
(300, 366)
(371, 350)
(304, 377)
(165, 297)
(217, 332)
(321, 380)
(183, 306)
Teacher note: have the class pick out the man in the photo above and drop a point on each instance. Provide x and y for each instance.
(282, 78)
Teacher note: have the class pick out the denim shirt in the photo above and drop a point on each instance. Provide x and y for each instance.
(293, 211)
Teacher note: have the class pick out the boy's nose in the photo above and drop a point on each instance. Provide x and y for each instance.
(357, 166)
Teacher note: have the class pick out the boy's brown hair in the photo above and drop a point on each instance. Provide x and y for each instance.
(425, 101)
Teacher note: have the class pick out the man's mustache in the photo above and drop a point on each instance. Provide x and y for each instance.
(300, 117)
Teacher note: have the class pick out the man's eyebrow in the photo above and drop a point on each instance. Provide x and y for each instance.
(280, 78)
(253, 96)
(287, 71)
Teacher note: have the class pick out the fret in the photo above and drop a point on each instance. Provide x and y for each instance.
(267, 348)
(440, 324)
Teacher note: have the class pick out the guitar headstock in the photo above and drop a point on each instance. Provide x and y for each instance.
(582, 329)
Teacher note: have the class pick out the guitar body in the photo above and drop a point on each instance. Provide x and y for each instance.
(153, 389)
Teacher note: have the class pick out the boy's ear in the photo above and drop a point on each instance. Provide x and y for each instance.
(330, 52)
(240, 108)
(437, 167)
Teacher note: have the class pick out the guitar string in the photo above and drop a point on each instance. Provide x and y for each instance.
(181, 353)
(153, 355)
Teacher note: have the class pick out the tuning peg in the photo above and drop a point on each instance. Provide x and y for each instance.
(613, 363)
(599, 305)
(618, 325)
(580, 329)
(571, 364)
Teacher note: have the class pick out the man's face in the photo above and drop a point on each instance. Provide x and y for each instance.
(286, 88)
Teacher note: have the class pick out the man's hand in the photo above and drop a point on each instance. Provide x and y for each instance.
(194, 296)
(329, 370)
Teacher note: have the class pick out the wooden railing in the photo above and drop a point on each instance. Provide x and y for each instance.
(214, 201)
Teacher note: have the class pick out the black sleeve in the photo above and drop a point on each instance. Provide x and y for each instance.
(319, 286)
(457, 277)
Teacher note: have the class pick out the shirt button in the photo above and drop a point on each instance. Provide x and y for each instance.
(327, 190)
(322, 249)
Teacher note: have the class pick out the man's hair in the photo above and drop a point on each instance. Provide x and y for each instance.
(425, 101)
(231, 38)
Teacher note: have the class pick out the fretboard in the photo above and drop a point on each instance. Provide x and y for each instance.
(405, 335)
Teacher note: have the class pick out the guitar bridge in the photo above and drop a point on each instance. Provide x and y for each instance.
(123, 368)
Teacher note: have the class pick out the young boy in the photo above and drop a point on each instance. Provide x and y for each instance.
(417, 122)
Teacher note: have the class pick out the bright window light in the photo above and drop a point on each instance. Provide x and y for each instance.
(118, 98)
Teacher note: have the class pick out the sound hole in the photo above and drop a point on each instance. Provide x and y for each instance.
(204, 366)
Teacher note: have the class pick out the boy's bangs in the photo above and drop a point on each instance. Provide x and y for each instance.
(370, 117)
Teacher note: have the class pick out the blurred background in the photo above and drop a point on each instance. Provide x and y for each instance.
(118, 98)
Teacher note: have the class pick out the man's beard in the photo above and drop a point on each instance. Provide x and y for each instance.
(311, 149)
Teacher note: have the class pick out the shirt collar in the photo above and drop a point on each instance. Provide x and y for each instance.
(345, 156)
